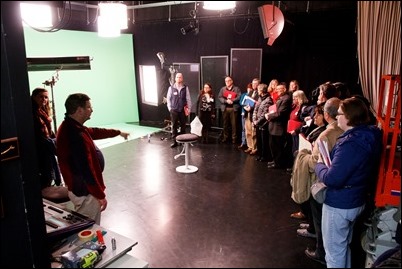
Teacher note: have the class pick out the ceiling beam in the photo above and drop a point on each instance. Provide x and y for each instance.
(140, 6)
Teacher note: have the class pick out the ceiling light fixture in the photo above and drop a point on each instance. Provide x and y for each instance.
(36, 15)
(192, 27)
(219, 5)
(112, 18)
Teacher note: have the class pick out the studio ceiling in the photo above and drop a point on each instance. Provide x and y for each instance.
(166, 11)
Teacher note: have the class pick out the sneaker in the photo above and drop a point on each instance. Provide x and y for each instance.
(313, 255)
(305, 233)
(304, 225)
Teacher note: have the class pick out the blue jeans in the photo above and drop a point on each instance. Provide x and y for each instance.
(337, 231)
(243, 131)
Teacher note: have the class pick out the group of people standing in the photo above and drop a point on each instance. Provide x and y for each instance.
(268, 111)
(272, 117)
(346, 126)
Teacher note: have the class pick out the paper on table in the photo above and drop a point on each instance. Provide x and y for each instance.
(323, 148)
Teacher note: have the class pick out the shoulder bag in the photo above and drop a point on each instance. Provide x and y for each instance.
(319, 191)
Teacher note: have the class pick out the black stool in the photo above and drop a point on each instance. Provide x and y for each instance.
(186, 139)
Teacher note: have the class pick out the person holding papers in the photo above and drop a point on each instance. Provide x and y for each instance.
(244, 102)
(354, 161)
(304, 176)
(251, 135)
(296, 120)
(277, 118)
(229, 96)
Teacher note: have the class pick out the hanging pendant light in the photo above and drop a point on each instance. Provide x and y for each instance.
(219, 5)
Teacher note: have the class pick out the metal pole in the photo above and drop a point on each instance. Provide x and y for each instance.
(53, 105)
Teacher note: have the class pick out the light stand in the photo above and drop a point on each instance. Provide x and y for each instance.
(173, 71)
(51, 83)
(172, 67)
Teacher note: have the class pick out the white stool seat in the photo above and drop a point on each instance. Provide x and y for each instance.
(186, 139)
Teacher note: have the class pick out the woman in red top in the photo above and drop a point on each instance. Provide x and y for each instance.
(300, 102)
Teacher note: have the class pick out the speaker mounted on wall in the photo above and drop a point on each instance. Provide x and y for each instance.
(272, 22)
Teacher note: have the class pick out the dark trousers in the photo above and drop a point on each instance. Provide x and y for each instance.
(316, 211)
(48, 167)
(178, 119)
(263, 144)
(289, 157)
(205, 118)
(306, 210)
(277, 145)
(230, 122)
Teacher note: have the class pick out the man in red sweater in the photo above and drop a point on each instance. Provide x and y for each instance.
(81, 162)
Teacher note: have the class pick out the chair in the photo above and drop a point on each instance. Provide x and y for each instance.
(186, 139)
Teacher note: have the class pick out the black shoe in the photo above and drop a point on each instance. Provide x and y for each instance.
(313, 255)
(273, 166)
(242, 147)
(173, 145)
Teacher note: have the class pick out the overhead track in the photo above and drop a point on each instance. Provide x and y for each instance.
(151, 5)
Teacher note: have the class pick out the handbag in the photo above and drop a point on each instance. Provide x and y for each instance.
(319, 191)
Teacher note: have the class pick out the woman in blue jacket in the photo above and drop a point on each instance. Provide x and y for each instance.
(355, 159)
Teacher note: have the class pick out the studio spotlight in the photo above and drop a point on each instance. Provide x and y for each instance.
(161, 57)
(192, 27)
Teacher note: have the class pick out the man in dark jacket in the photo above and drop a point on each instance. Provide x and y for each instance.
(179, 104)
(278, 122)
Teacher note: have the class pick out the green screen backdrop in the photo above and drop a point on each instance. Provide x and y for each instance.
(110, 83)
